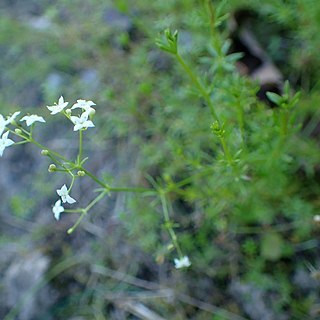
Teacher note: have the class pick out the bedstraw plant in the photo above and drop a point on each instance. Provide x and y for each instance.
(225, 186)
(236, 140)
(75, 168)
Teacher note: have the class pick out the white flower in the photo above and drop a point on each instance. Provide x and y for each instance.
(81, 122)
(316, 218)
(85, 105)
(63, 193)
(58, 107)
(4, 122)
(57, 209)
(184, 262)
(11, 118)
(32, 119)
(5, 142)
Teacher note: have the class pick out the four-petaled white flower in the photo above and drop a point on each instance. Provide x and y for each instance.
(4, 122)
(85, 105)
(58, 107)
(11, 118)
(64, 194)
(57, 209)
(32, 119)
(5, 142)
(184, 262)
(81, 122)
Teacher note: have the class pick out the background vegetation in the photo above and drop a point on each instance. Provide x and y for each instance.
(244, 217)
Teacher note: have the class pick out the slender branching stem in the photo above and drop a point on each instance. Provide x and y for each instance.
(199, 86)
(168, 222)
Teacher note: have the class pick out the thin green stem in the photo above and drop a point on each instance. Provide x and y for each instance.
(188, 180)
(284, 118)
(56, 154)
(94, 178)
(70, 230)
(226, 151)
(22, 129)
(123, 189)
(241, 123)
(207, 98)
(86, 209)
(72, 181)
(80, 146)
(21, 142)
(168, 222)
(211, 17)
(20, 135)
(55, 159)
(199, 86)
(97, 199)
(29, 138)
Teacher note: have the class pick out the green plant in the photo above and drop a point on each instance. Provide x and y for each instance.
(220, 175)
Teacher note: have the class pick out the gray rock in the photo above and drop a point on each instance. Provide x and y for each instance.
(91, 81)
(185, 41)
(253, 301)
(54, 82)
(40, 23)
(22, 285)
(304, 280)
(159, 60)
(117, 20)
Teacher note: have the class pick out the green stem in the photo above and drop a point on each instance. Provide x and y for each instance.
(211, 17)
(115, 189)
(80, 146)
(168, 223)
(85, 211)
(199, 86)
(284, 122)
(241, 123)
(56, 154)
(226, 151)
(207, 98)
(188, 180)
(123, 189)
(72, 181)
(97, 199)
(94, 178)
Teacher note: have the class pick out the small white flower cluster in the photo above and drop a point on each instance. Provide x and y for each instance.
(183, 262)
(4, 140)
(80, 122)
(64, 194)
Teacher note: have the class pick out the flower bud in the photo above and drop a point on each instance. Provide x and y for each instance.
(68, 112)
(217, 129)
(44, 152)
(52, 168)
(170, 247)
(81, 173)
(18, 131)
(92, 112)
